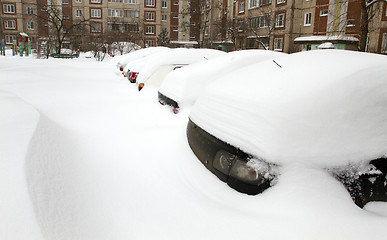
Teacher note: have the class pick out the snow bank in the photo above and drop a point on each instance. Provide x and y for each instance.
(185, 85)
(18, 121)
(107, 162)
(324, 107)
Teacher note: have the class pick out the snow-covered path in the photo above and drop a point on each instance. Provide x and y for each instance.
(84, 155)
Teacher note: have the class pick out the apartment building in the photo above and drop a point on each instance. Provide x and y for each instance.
(18, 16)
(296, 25)
(140, 21)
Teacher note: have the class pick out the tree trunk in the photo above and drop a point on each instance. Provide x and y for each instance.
(363, 26)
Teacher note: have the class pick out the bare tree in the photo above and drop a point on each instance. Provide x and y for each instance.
(60, 27)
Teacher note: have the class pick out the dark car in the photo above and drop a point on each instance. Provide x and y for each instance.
(280, 113)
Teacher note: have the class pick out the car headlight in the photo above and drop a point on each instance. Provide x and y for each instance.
(237, 168)
(223, 161)
(241, 171)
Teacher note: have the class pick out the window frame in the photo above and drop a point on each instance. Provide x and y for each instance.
(164, 4)
(115, 13)
(30, 25)
(275, 43)
(383, 47)
(6, 24)
(131, 11)
(308, 19)
(93, 11)
(241, 7)
(130, 1)
(150, 16)
(150, 3)
(147, 41)
(254, 1)
(282, 20)
(78, 11)
(148, 27)
(162, 17)
(92, 27)
(95, 1)
(30, 10)
(10, 38)
(322, 12)
(6, 10)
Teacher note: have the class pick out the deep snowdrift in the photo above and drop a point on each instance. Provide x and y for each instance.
(84, 155)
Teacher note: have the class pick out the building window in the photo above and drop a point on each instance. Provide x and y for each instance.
(323, 12)
(241, 7)
(95, 1)
(278, 44)
(130, 1)
(164, 4)
(280, 20)
(149, 43)
(253, 3)
(240, 26)
(149, 16)
(177, 3)
(150, 30)
(150, 3)
(260, 21)
(9, 39)
(78, 1)
(129, 13)
(265, 2)
(132, 27)
(65, 1)
(30, 25)
(351, 22)
(96, 27)
(9, 8)
(30, 11)
(95, 13)
(281, 1)
(384, 43)
(118, 13)
(78, 13)
(10, 24)
(308, 19)
(164, 17)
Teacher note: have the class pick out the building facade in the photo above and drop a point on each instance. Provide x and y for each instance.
(139, 21)
(297, 25)
(281, 25)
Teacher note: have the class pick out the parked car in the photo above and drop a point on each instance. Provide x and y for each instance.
(159, 65)
(184, 86)
(323, 109)
(123, 60)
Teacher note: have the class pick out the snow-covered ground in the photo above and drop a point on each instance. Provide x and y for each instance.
(84, 155)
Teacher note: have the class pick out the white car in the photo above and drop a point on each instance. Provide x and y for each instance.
(121, 61)
(159, 65)
(184, 86)
(323, 108)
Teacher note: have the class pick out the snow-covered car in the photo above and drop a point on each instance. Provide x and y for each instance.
(121, 61)
(184, 86)
(324, 109)
(159, 65)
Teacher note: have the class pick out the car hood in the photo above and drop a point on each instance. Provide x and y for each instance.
(324, 107)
